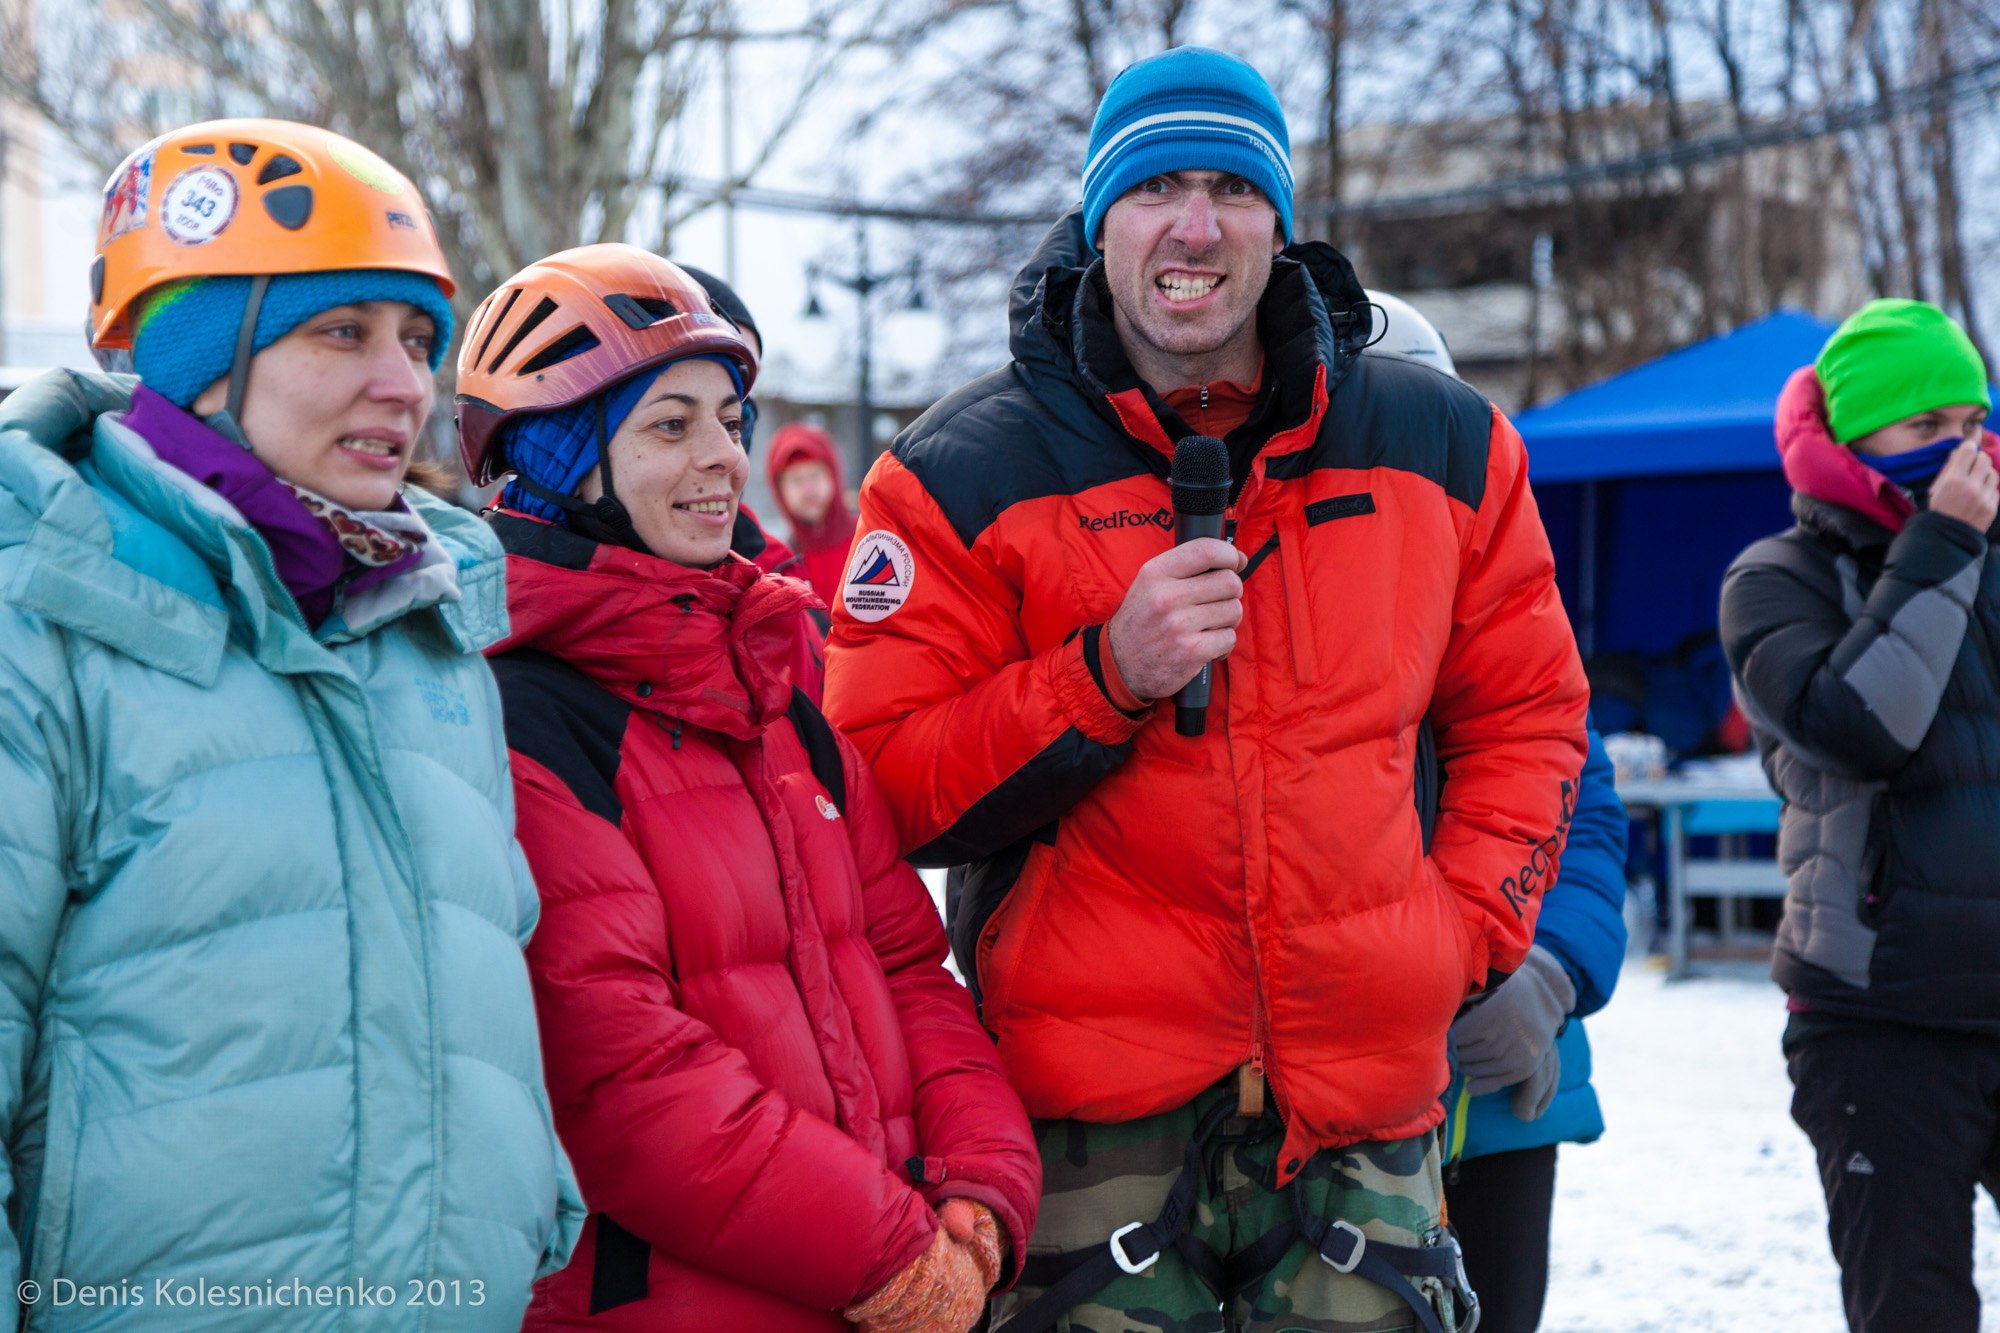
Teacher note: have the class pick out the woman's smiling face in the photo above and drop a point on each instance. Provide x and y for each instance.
(679, 464)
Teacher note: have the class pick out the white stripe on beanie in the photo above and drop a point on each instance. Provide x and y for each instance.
(1185, 133)
(1167, 121)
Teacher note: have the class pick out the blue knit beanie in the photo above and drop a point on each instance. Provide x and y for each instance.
(1188, 109)
(185, 336)
(557, 449)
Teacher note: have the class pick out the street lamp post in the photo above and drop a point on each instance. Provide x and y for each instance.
(864, 282)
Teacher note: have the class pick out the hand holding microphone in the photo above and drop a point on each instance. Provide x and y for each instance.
(1183, 607)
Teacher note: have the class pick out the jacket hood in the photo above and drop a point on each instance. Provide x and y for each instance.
(712, 647)
(801, 443)
(1313, 318)
(1820, 468)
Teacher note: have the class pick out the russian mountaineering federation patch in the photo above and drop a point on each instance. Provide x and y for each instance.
(878, 582)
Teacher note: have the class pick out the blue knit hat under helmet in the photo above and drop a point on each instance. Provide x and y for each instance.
(557, 449)
(184, 338)
(1188, 109)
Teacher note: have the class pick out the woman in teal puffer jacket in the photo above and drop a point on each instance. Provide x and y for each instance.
(267, 1051)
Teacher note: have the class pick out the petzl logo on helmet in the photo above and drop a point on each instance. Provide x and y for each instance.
(198, 206)
(125, 196)
(878, 582)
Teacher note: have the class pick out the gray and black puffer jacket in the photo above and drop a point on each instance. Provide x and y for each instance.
(1868, 663)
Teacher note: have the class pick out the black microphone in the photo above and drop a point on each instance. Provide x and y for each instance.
(1200, 482)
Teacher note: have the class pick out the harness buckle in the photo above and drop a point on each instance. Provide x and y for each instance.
(1118, 1250)
(1353, 1259)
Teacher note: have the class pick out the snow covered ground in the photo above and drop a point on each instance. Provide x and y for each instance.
(1700, 1208)
(1699, 1211)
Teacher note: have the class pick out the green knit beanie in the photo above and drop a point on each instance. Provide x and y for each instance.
(1893, 359)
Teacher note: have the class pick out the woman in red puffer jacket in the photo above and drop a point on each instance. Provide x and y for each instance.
(781, 1108)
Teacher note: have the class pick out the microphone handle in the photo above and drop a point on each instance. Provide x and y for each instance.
(1191, 700)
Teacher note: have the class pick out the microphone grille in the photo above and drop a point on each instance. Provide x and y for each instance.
(1200, 475)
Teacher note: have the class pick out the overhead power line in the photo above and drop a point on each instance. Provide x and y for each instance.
(1960, 86)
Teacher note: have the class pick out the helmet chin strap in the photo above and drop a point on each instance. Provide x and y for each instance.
(604, 519)
(228, 421)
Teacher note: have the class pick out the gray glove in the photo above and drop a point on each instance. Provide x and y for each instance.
(1510, 1037)
(1537, 1092)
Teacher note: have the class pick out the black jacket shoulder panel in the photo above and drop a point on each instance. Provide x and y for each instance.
(567, 723)
(1003, 440)
(1389, 412)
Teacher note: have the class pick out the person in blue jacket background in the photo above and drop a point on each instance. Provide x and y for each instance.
(1526, 1065)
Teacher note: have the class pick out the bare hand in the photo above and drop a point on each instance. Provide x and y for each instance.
(1180, 613)
(1967, 488)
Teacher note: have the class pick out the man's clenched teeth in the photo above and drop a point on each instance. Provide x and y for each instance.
(1181, 287)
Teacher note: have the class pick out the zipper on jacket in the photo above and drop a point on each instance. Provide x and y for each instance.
(926, 1171)
(1291, 540)
(673, 726)
(1256, 1067)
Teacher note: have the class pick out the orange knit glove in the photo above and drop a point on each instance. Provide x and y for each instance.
(939, 1292)
(974, 1226)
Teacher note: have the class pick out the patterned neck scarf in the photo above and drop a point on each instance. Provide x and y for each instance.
(374, 537)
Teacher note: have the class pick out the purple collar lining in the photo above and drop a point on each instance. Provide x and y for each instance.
(308, 557)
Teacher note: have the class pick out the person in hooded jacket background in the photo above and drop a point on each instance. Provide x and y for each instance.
(804, 469)
(264, 1019)
(1865, 648)
(780, 1103)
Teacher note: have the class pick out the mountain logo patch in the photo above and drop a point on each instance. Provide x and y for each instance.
(878, 582)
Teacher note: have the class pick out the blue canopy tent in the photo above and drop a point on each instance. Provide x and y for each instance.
(1650, 483)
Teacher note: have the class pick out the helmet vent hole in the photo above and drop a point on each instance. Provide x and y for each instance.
(492, 325)
(199, 149)
(97, 282)
(543, 309)
(278, 168)
(640, 312)
(574, 343)
(241, 153)
(290, 206)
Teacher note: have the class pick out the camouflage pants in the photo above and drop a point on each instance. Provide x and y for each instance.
(1097, 1178)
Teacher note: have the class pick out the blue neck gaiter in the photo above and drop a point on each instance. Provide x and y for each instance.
(1914, 467)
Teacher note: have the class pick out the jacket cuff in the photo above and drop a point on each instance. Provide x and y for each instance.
(1103, 662)
(1082, 696)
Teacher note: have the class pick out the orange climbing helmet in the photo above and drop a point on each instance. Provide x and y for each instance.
(568, 327)
(251, 197)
